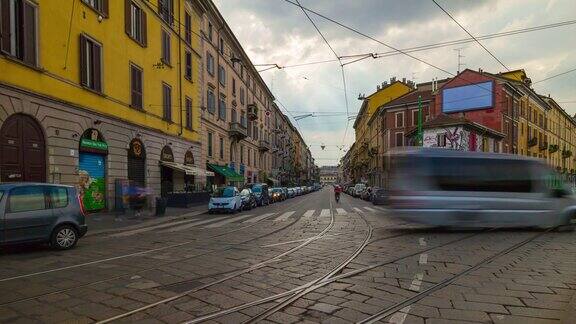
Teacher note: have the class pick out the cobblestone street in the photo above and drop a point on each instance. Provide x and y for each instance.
(308, 259)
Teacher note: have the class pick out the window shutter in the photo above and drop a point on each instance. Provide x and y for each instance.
(133, 85)
(5, 25)
(83, 63)
(29, 30)
(96, 56)
(144, 31)
(105, 7)
(128, 17)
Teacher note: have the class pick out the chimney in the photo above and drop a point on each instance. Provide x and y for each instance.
(383, 85)
(377, 87)
(404, 80)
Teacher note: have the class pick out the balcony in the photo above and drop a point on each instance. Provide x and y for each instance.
(543, 146)
(237, 131)
(252, 112)
(264, 145)
(532, 142)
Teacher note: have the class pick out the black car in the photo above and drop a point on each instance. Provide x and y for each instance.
(278, 195)
(379, 196)
(248, 199)
(260, 190)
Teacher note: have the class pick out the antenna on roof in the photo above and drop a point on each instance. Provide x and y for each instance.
(460, 56)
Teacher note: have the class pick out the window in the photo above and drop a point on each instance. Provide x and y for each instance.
(58, 197)
(242, 71)
(399, 139)
(165, 47)
(166, 10)
(135, 22)
(19, 30)
(414, 117)
(211, 101)
(90, 64)
(100, 6)
(210, 144)
(241, 156)
(188, 68)
(188, 27)
(23, 199)
(136, 86)
(221, 46)
(221, 147)
(400, 119)
(188, 113)
(242, 95)
(249, 156)
(210, 63)
(234, 87)
(222, 75)
(210, 31)
(222, 107)
(249, 128)
(243, 118)
(167, 102)
(234, 116)
(441, 140)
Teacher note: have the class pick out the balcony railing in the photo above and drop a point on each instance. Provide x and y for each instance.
(237, 131)
(264, 145)
(252, 112)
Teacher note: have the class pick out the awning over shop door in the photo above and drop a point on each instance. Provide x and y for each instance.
(228, 173)
(186, 169)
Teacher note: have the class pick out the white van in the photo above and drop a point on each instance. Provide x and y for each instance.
(472, 189)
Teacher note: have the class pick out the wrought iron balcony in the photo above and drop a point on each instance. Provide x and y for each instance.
(264, 145)
(252, 112)
(237, 131)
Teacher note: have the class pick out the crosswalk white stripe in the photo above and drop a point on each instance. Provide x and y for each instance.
(370, 209)
(228, 221)
(150, 228)
(284, 216)
(358, 210)
(325, 213)
(194, 224)
(259, 218)
(341, 211)
(308, 213)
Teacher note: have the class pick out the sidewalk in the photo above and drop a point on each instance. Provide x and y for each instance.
(110, 222)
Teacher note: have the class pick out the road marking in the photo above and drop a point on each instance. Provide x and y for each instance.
(422, 241)
(150, 228)
(358, 210)
(325, 213)
(370, 209)
(381, 209)
(284, 216)
(228, 221)
(308, 213)
(423, 258)
(341, 211)
(259, 218)
(400, 317)
(194, 224)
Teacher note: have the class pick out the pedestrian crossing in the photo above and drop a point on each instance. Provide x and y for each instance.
(212, 222)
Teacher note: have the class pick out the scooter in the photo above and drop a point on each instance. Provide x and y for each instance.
(337, 197)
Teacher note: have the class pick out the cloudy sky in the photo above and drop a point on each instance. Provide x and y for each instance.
(277, 32)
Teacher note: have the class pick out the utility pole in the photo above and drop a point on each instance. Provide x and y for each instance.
(420, 135)
(460, 56)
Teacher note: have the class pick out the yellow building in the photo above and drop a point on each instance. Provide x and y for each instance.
(365, 156)
(95, 91)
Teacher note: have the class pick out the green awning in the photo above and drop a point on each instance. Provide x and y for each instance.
(228, 173)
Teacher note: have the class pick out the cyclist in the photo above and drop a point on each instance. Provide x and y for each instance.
(337, 191)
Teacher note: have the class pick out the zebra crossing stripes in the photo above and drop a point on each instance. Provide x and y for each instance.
(358, 210)
(341, 211)
(370, 209)
(258, 218)
(228, 221)
(284, 216)
(308, 213)
(325, 213)
(193, 224)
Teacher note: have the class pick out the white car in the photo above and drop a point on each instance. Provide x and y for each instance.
(225, 199)
(358, 189)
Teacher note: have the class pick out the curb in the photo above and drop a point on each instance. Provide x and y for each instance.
(147, 223)
(570, 312)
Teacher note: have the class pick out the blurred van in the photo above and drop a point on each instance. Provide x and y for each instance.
(443, 187)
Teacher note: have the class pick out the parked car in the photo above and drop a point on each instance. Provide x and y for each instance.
(358, 189)
(277, 195)
(298, 191)
(285, 190)
(225, 199)
(41, 213)
(477, 189)
(366, 194)
(379, 196)
(248, 199)
(291, 193)
(261, 192)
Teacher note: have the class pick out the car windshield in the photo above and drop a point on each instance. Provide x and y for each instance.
(257, 188)
(1, 194)
(224, 192)
(276, 190)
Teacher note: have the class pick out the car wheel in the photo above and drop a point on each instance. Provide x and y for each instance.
(570, 225)
(64, 237)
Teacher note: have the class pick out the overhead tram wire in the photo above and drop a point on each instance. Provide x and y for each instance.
(555, 76)
(469, 34)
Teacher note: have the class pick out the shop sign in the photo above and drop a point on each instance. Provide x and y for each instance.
(88, 143)
(92, 141)
(166, 154)
(188, 158)
(136, 149)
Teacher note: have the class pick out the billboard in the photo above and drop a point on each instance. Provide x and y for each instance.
(468, 97)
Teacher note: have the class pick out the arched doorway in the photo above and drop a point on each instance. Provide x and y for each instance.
(166, 174)
(93, 150)
(22, 150)
(137, 163)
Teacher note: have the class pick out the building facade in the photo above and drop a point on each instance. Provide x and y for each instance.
(328, 175)
(111, 103)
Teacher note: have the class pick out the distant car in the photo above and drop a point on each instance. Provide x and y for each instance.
(285, 190)
(225, 199)
(358, 189)
(291, 193)
(379, 196)
(277, 194)
(298, 191)
(248, 199)
(41, 213)
(366, 194)
(261, 192)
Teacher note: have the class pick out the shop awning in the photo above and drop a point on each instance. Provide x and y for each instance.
(187, 169)
(225, 171)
